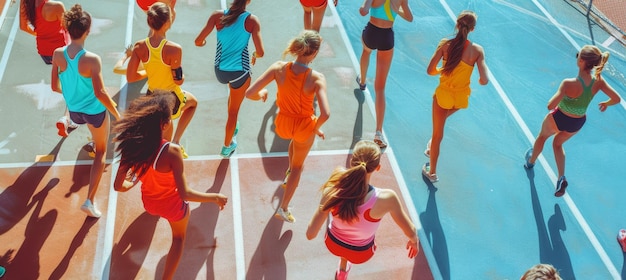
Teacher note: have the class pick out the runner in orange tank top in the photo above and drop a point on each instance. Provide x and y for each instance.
(298, 86)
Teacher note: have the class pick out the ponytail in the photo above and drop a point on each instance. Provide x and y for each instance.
(464, 24)
(346, 189)
(600, 67)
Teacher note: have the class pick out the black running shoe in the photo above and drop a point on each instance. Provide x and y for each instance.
(561, 185)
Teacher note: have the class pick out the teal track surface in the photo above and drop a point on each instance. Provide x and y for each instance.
(487, 217)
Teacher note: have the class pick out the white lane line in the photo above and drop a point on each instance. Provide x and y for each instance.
(109, 233)
(9, 45)
(551, 174)
(406, 195)
(5, 10)
(240, 260)
(6, 141)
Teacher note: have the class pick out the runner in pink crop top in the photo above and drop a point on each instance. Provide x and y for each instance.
(361, 232)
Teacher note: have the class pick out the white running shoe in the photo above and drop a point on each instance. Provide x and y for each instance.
(90, 209)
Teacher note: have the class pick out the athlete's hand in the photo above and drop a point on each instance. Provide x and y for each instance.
(263, 94)
(413, 248)
(320, 134)
(602, 106)
(221, 200)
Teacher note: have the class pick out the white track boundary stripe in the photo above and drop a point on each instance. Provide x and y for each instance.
(9, 45)
(109, 230)
(406, 196)
(240, 261)
(5, 10)
(551, 174)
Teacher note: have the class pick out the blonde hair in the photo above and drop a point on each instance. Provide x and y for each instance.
(347, 188)
(594, 59)
(305, 44)
(541, 272)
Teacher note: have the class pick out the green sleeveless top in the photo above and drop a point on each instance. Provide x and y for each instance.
(578, 106)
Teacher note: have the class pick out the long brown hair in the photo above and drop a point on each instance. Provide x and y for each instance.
(347, 188)
(29, 9)
(236, 9)
(158, 14)
(140, 130)
(464, 24)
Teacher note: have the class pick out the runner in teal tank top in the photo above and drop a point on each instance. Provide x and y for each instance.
(235, 26)
(77, 74)
(568, 109)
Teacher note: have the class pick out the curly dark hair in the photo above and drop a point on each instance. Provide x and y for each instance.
(140, 130)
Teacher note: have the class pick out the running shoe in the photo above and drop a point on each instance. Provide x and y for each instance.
(90, 148)
(561, 185)
(90, 209)
(426, 172)
(380, 140)
(427, 150)
(182, 150)
(527, 156)
(228, 151)
(65, 126)
(343, 274)
(621, 239)
(358, 81)
(284, 184)
(285, 215)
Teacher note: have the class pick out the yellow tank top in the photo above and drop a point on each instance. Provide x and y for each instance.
(459, 80)
(159, 73)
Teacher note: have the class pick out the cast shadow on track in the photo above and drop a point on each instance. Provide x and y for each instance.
(431, 224)
(25, 263)
(278, 144)
(271, 247)
(623, 266)
(552, 249)
(60, 270)
(14, 200)
(129, 254)
(357, 130)
(200, 242)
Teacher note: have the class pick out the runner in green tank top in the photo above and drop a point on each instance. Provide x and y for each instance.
(568, 109)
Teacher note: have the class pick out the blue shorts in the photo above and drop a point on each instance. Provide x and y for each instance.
(82, 118)
(47, 59)
(377, 38)
(567, 123)
(235, 79)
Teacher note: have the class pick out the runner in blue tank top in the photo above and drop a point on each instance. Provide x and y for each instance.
(234, 27)
(77, 74)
